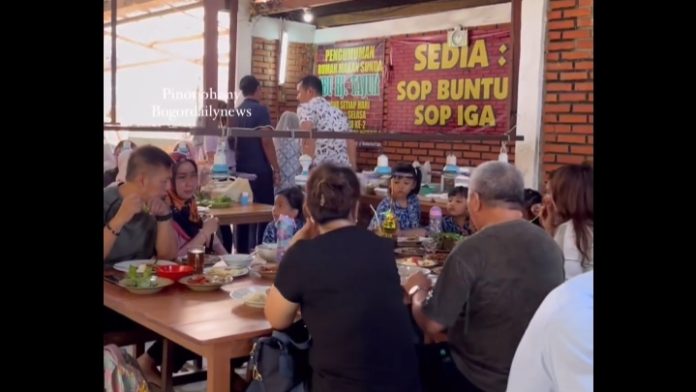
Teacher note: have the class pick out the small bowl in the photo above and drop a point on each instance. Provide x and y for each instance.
(239, 260)
(268, 252)
(174, 272)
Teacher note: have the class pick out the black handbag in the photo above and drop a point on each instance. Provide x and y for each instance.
(280, 362)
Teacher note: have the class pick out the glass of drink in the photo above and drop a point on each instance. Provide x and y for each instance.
(430, 245)
(196, 259)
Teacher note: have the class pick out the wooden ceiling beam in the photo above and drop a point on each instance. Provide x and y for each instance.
(400, 11)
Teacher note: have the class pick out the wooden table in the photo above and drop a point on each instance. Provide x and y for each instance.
(211, 324)
(238, 214)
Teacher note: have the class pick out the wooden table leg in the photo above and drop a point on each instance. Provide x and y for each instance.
(167, 358)
(219, 370)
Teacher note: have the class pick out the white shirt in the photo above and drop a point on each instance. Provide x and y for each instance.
(326, 118)
(565, 238)
(557, 350)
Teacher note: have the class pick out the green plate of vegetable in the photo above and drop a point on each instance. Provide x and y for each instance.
(447, 241)
(222, 202)
(141, 280)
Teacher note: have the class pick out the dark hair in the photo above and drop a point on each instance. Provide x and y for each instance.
(295, 198)
(147, 156)
(332, 193)
(313, 82)
(531, 197)
(572, 191)
(407, 168)
(248, 84)
(459, 191)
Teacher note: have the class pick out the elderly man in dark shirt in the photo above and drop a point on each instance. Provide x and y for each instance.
(491, 285)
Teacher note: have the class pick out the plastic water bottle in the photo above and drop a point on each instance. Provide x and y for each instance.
(435, 221)
(503, 156)
(244, 199)
(427, 174)
(220, 169)
(284, 228)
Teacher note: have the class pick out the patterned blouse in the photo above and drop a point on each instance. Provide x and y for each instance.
(450, 226)
(407, 217)
(270, 234)
(288, 153)
(326, 118)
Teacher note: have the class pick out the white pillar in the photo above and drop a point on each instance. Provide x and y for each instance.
(530, 96)
(244, 43)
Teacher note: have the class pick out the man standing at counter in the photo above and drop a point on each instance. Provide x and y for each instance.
(255, 155)
(316, 112)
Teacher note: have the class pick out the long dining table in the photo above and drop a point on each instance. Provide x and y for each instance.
(210, 324)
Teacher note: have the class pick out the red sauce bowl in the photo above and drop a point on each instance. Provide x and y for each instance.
(174, 272)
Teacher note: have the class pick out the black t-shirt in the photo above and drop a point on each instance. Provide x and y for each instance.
(351, 299)
(489, 289)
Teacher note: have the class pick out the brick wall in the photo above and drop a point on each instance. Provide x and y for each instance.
(569, 84)
(265, 55)
(569, 94)
(468, 154)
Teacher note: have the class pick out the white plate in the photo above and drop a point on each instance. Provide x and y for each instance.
(422, 262)
(410, 239)
(202, 209)
(406, 271)
(242, 294)
(233, 272)
(124, 265)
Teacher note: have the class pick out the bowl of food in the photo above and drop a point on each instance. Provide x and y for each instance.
(142, 280)
(447, 241)
(202, 282)
(226, 273)
(239, 260)
(174, 272)
(255, 300)
(268, 252)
